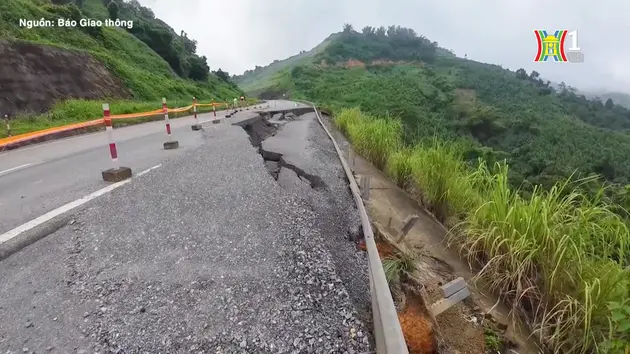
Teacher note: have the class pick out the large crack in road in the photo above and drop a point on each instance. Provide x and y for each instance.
(299, 155)
(206, 254)
(287, 174)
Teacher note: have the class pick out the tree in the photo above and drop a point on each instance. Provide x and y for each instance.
(609, 104)
(367, 31)
(61, 2)
(198, 68)
(563, 88)
(222, 75)
(521, 74)
(113, 9)
(347, 28)
(190, 46)
(79, 3)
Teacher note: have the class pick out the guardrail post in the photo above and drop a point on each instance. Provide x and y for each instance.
(170, 143)
(195, 126)
(214, 112)
(116, 173)
(6, 119)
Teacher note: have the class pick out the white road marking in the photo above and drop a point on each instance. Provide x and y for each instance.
(15, 168)
(65, 208)
(148, 170)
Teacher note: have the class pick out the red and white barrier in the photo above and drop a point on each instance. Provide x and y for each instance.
(166, 120)
(170, 143)
(214, 109)
(195, 110)
(116, 173)
(195, 126)
(113, 152)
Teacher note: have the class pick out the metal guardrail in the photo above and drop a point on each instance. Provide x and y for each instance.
(387, 331)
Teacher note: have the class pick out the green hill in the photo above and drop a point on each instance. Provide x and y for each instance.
(494, 155)
(545, 134)
(150, 59)
(261, 80)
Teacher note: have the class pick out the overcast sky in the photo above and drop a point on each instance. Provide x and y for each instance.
(236, 35)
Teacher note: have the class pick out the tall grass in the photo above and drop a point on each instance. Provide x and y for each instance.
(560, 257)
(372, 137)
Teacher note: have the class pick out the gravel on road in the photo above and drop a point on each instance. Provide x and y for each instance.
(208, 253)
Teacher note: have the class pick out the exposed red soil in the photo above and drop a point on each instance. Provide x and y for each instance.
(417, 329)
(384, 249)
(352, 63)
(33, 77)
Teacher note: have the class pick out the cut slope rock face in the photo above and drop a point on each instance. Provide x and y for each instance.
(33, 77)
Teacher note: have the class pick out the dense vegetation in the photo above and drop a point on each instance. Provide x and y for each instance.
(150, 58)
(544, 231)
(394, 43)
(561, 257)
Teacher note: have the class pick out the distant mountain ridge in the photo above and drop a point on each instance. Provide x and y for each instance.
(620, 98)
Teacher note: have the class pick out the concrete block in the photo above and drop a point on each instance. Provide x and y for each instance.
(445, 304)
(116, 174)
(196, 127)
(216, 121)
(454, 286)
(170, 145)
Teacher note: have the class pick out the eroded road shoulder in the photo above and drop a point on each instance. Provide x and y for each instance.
(209, 253)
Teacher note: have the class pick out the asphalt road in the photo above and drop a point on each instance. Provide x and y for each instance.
(37, 179)
(207, 253)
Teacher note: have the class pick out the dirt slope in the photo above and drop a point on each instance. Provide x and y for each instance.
(33, 77)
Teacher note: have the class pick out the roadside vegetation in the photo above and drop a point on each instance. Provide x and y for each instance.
(530, 177)
(151, 59)
(560, 256)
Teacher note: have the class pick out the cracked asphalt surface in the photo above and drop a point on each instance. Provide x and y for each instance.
(207, 253)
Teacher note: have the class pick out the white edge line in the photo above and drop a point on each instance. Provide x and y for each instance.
(148, 170)
(15, 168)
(65, 208)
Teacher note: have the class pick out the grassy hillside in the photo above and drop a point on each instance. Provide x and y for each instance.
(140, 62)
(520, 170)
(261, 79)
